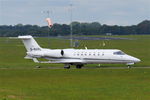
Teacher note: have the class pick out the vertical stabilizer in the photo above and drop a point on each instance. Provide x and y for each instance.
(30, 43)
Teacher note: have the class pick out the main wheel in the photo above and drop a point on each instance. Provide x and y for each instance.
(38, 66)
(67, 67)
(79, 66)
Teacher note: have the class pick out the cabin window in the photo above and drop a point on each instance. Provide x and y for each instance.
(94, 54)
(103, 54)
(98, 54)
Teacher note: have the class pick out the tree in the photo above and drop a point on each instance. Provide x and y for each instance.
(94, 28)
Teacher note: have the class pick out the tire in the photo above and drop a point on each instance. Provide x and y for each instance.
(78, 66)
(67, 67)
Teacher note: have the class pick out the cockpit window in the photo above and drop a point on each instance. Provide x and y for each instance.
(119, 53)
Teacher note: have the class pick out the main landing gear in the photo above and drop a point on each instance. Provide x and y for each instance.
(79, 66)
(67, 66)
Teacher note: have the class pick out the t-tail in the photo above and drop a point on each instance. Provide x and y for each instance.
(31, 46)
(29, 43)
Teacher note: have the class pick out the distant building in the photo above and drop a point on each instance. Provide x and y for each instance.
(108, 34)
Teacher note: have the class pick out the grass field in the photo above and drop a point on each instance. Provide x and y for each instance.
(85, 84)
(20, 81)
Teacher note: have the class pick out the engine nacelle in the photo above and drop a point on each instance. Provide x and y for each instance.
(54, 53)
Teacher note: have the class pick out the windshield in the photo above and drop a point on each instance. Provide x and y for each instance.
(119, 53)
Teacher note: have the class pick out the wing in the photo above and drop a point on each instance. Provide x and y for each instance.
(64, 61)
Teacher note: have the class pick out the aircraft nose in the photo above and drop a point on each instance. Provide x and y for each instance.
(136, 60)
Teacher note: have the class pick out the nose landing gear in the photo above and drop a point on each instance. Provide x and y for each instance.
(129, 65)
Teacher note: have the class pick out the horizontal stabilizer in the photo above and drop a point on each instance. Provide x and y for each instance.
(27, 57)
(13, 37)
(25, 37)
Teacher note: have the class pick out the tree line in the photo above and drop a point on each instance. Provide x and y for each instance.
(94, 28)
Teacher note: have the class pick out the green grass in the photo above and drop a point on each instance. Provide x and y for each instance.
(20, 81)
(85, 84)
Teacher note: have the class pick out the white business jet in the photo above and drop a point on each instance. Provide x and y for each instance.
(77, 57)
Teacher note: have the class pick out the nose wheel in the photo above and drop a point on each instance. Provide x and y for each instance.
(129, 66)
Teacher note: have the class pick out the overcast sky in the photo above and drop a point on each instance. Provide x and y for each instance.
(120, 12)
